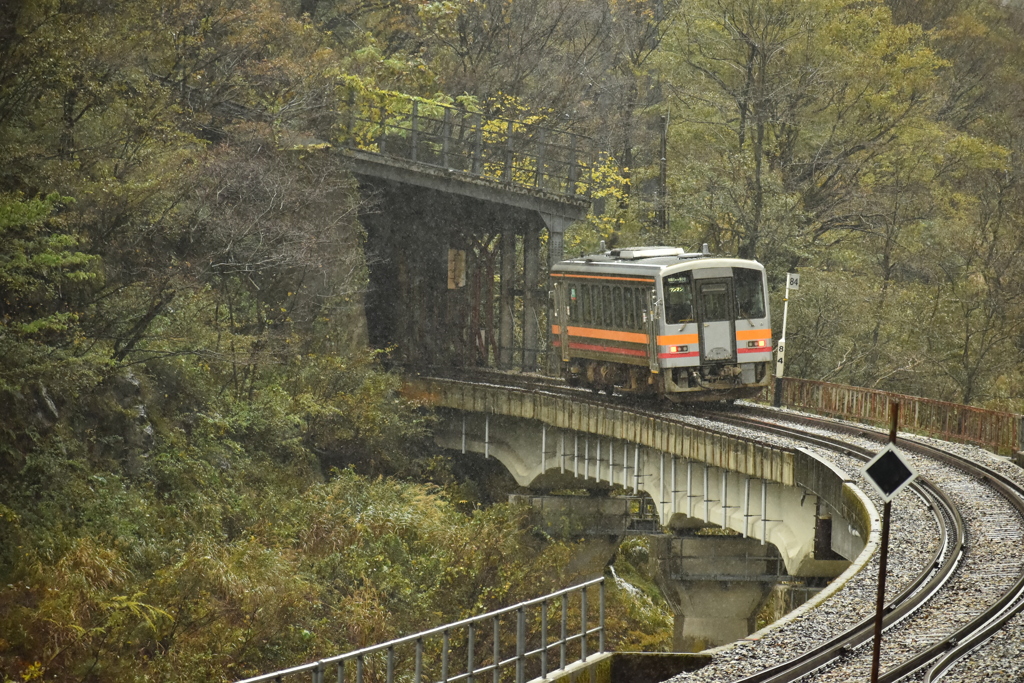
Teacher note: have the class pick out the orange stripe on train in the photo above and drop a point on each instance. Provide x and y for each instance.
(752, 335)
(678, 339)
(610, 335)
(663, 340)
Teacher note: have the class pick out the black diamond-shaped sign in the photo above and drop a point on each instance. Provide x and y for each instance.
(889, 472)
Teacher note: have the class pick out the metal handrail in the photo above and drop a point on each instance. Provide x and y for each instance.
(948, 421)
(458, 141)
(496, 665)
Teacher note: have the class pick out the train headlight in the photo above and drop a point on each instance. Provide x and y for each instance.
(756, 344)
(680, 349)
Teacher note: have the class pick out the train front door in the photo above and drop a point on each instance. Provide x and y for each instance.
(717, 322)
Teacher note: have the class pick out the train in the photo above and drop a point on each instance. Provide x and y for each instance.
(687, 326)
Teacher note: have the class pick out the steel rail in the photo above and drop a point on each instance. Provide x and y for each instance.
(912, 598)
(957, 651)
(944, 654)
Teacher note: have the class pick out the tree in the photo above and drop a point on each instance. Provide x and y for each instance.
(44, 357)
(781, 107)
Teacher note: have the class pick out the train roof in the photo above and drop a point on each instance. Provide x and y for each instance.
(649, 260)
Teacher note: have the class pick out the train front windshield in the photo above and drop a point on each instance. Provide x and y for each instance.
(748, 297)
(749, 293)
(714, 301)
(678, 298)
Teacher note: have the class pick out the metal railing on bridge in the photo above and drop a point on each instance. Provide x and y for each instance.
(477, 649)
(455, 140)
(947, 421)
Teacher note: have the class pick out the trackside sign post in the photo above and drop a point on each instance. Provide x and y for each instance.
(792, 282)
(888, 473)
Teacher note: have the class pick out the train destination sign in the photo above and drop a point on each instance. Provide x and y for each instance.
(889, 472)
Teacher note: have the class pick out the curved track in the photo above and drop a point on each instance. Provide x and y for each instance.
(974, 601)
(972, 585)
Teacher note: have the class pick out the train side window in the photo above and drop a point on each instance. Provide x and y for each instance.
(617, 306)
(606, 301)
(678, 298)
(749, 287)
(586, 309)
(595, 305)
(574, 300)
(629, 308)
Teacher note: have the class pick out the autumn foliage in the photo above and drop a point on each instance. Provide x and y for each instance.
(204, 471)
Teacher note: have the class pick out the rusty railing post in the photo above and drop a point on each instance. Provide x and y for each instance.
(478, 145)
(445, 134)
(415, 129)
(507, 172)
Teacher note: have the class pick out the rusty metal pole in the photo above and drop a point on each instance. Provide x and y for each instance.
(894, 418)
(506, 298)
(531, 296)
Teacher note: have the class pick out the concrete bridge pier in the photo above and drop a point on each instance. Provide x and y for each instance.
(716, 586)
(596, 524)
(556, 226)
(734, 606)
(532, 296)
(506, 302)
(532, 341)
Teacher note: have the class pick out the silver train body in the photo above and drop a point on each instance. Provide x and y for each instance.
(658, 320)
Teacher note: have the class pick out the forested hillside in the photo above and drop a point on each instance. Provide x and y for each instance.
(877, 148)
(205, 473)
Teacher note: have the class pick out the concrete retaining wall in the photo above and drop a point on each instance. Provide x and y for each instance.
(629, 667)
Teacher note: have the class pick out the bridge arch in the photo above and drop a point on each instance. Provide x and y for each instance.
(776, 495)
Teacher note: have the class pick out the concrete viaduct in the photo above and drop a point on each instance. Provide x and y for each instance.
(795, 517)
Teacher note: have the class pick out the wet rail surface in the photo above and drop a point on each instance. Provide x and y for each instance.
(983, 592)
(980, 578)
(971, 584)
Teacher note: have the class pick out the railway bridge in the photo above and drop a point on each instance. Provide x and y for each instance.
(793, 516)
(460, 206)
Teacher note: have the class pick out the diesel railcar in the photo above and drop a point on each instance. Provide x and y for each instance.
(659, 320)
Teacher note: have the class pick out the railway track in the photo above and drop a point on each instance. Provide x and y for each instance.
(975, 588)
(954, 590)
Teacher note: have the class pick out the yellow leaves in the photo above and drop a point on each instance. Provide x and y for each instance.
(33, 671)
(865, 45)
(134, 607)
(977, 152)
(965, 26)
